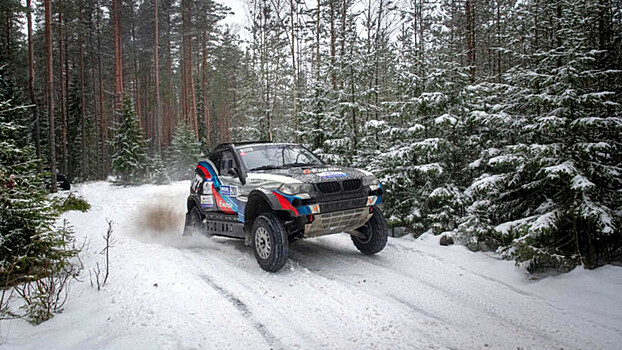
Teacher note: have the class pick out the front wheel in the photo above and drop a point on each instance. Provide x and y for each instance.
(374, 234)
(194, 222)
(270, 242)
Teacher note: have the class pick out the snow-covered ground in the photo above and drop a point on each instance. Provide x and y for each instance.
(171, 292)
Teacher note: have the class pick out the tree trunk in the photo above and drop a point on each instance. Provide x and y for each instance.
(333, 77)
(84, 152)
(158, 123)
(102, 118)
(118, 58)
(36, 132)
(50, 87)
(168, 118)
(295, 82)
(204, 87)
(61, 78)
(470, 35)
(317, 43)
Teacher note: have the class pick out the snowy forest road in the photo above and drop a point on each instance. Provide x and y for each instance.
(172, 292)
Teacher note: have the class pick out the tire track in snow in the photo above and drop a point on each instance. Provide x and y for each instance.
(270, 338)
(452, 295)
(516, 290)
(197, 255)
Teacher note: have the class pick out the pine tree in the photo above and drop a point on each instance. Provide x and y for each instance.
(549, 187)
(25, 212)
(157, 171)
(184, 152)
(129, 160)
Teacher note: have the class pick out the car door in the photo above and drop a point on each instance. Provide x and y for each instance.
(227, 199)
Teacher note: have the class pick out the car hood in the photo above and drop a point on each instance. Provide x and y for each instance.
(313, 174)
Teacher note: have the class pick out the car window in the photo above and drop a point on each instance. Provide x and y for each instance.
(276, 156)
(226, 163)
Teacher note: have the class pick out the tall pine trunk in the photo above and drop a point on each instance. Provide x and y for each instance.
(84, 152)
(50, 88)
(36, 132)
(118, 58)
(158, 123)
(61, 77)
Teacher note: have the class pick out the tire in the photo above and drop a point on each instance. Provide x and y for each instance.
(376, 234)
(270, 243)
(194, 222)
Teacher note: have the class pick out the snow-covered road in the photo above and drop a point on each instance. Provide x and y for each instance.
(172, 292)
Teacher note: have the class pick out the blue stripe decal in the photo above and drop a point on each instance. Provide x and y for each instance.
(212, 173)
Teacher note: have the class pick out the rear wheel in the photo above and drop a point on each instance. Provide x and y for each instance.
(194, 222)
(374, 234)
(270, 242)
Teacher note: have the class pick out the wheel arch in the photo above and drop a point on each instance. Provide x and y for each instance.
(191, 202)
(259, 201)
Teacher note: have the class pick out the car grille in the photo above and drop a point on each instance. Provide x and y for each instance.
(329, 187)
(343, 218)
(351, 185)
(335, 186)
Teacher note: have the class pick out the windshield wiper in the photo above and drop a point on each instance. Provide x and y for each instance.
(265, 167)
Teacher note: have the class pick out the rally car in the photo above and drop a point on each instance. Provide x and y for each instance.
(272, 193)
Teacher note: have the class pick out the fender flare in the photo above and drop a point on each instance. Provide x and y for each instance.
(256, 204)
(192, 201)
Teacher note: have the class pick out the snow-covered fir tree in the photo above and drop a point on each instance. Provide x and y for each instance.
(129, 158)
(549, 186)
(26, 215)
(184, 152)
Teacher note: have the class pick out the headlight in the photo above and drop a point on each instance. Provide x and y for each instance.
(370, 180)
(296, 188)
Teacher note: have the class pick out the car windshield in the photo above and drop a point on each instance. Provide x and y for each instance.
(270, 156)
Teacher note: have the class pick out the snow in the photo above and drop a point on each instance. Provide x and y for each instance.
(566, 167)
(171, 292)
(580, 182)
(427, 168)
(445, 118)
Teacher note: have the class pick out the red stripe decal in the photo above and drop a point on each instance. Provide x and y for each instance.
(205, 172)
(285, 204)
(220, 203)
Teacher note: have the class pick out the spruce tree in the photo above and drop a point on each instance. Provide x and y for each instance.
(129, 160)
(549, 188)
(184, 152)
(26, 214)
(157, 171)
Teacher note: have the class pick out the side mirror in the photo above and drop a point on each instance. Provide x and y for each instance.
(232, 172)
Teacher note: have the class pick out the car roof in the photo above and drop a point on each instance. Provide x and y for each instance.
(250, 143)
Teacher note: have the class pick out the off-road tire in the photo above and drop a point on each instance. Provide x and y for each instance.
(376, 233)
(274, 258)
(194, 221)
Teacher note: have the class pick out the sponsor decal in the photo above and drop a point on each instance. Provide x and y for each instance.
(332, 174)
(306, 171)
(196, 183)
(207, 187)
(319, 170)
(371, 200)
(207, 201)
(231, 191)
(222, 204)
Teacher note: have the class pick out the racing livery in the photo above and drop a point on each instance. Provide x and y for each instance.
(272, 193)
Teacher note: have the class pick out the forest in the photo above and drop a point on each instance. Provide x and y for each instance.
(497, 122)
